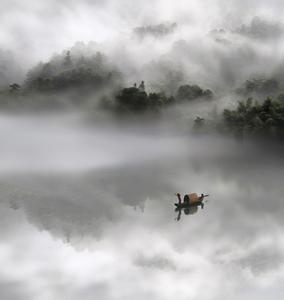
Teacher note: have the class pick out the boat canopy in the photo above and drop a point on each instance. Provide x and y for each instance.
(193, 198)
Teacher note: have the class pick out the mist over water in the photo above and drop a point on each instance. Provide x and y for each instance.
(86, 208)
(87, 194)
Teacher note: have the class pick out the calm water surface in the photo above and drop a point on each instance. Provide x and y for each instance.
(87, 210)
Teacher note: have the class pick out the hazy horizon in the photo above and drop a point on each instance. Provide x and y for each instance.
(253, 33)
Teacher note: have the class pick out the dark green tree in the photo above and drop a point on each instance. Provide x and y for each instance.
(192, 92)
(132, 99)
(254, 119)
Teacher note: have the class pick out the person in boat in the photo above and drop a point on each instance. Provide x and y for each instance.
(190, 204)
(186, 199)
(183, 205)
(179, 198)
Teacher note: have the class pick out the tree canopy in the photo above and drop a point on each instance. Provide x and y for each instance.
(136, 100)
(73, 69)
(192, 92)
(255, 119)
(259, 87)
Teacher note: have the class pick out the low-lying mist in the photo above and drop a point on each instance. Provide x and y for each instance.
(107, 189)
(110, 108)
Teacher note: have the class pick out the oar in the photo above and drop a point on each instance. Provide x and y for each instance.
(206, 201)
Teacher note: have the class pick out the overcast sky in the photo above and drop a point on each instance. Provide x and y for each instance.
(34, 31)
(37, 29)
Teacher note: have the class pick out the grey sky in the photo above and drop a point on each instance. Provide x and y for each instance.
(34, 31)
(37, 29)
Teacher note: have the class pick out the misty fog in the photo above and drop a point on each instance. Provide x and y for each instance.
(88, 178)
(93, 205)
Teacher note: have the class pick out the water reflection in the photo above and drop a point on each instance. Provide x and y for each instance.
(93, 210)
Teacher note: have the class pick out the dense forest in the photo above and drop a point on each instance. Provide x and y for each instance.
(250, 119)
(79, 75)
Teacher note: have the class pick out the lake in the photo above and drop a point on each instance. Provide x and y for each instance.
(87, 208)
